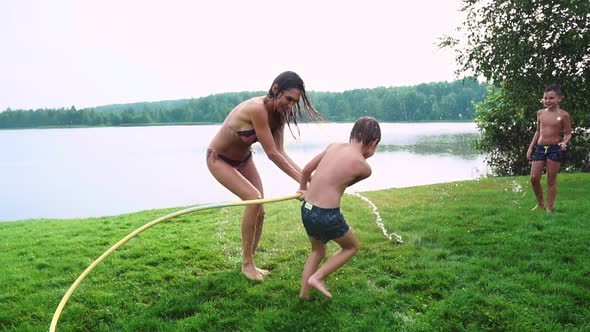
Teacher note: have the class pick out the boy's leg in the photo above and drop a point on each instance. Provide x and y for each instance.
(318, 251)
(349, 247)
(536, 173)
(552, 171)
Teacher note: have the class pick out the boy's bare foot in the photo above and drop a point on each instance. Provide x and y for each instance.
(303, 296)
(319, 285)
(263, 272)
(549, 210)
(304, 292)
(538, 206)
(251, 273)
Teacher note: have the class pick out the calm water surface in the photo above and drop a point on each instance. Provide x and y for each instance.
(88, 172)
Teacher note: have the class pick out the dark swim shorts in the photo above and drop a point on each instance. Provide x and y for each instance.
(323, 224)
(552, 151)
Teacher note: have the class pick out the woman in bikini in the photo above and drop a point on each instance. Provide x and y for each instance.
(229, 155)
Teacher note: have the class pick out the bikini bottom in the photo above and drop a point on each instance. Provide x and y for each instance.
(232, 162)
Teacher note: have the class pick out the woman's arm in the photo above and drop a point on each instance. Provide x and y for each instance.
(259, 118)
(279, 136)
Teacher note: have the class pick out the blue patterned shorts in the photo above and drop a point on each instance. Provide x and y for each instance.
(323, 224)
(552, 151)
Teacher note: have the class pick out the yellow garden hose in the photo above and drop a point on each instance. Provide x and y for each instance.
(76, 283)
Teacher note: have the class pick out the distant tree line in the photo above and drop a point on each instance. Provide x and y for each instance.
(441, 101)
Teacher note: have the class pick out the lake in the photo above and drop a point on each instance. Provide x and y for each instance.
(90, 172)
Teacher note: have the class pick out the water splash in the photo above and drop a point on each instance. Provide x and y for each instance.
(378, 220)
(516, 187)
(518, 192)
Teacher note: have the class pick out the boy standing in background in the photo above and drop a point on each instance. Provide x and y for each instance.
(554, 131)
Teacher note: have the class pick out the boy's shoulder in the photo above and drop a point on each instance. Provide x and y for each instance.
(547, 111)
(335, 146)
(344, 151)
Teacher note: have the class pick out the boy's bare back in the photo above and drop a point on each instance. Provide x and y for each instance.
(337, 167)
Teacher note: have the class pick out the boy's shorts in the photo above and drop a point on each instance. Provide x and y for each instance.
(552, 151)
(323, 224)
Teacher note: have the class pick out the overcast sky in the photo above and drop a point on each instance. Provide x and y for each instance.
(62, 53)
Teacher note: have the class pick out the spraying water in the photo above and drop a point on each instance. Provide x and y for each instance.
(378, 220)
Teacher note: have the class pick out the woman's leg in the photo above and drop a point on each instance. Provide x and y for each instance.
(238, 184)
(552, 171)
(318, 252)
(536, 173)
(253, 219)
(349, 247)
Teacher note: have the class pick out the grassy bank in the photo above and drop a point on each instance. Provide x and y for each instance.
(474, 258)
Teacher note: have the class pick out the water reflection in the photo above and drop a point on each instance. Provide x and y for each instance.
(409, 154)
(69, 173)
(459, 145)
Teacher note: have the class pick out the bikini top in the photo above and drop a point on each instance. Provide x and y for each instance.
(249, 136)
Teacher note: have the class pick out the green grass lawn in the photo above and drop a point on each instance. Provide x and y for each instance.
(474, 258)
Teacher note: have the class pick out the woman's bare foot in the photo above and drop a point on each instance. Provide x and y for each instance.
(538, 207)
(251, 272)
(263, 272)
(319, 285)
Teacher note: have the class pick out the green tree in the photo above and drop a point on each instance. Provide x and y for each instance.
(521, 46)
(371, 106)
(341, 107)
(128, 116)
(391, 106)
(498, 119)
(415, 103)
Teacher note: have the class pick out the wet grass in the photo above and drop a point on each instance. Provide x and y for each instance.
(474, 258)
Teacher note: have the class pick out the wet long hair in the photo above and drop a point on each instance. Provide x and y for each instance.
(288, 80)
(365, 130)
